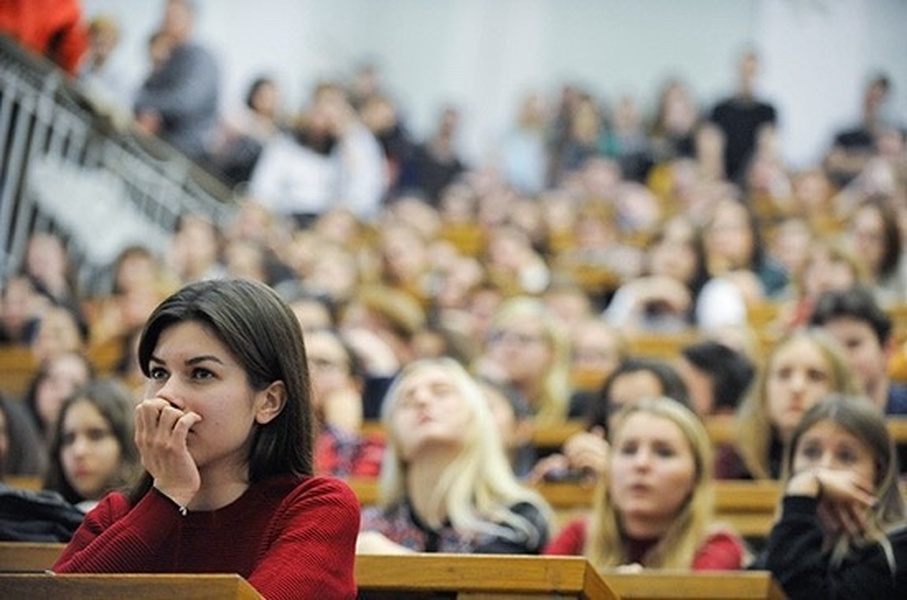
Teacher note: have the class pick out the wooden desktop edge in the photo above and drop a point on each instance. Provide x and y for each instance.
(487, 573)
(133, 586)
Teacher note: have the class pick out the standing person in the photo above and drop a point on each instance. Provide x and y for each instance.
(842, 530)
(741, 117)
(92, 451)
(653, 505)
(225, 436)
(446, 482)
(179, 101)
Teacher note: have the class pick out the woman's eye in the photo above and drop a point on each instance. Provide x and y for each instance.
(157, 373)
(811, 452)
(665, 451)
(202, 374)
(627, 449)
(847, 457)
(816, 375)
(96, 435)
(68, 439)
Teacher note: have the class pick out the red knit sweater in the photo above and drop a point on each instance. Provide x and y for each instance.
(291, 538)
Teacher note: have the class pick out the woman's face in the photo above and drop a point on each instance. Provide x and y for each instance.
(89, 451)
(653, 471)
(827, 445)
(329, 365)
(193, 370)
(522, 349)
(674, 254)
(429, 412)
(798, 376)
(65, 375)
(867, 231)
(729, 237)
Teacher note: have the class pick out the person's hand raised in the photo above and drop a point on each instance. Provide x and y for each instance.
(844, 498)
(161, 432)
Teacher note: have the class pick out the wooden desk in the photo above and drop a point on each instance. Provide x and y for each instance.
(134, 587)
(476, 575)
(730, 585)
(31, 557)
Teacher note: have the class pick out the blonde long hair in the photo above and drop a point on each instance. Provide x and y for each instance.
(753, 426)
(553, 402)
(477, 488)
(677, 547)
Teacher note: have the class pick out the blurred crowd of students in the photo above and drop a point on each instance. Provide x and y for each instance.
(512, 296)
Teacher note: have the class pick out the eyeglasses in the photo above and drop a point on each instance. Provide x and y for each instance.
(501, 336)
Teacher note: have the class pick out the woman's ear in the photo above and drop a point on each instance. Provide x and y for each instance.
(269, 402)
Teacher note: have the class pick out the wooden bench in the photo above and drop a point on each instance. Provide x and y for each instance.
(479, 576)
(31, 557)
(132, 586)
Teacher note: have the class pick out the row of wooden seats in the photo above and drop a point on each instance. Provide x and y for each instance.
(747, 506)
(421, 575)
(18, 365)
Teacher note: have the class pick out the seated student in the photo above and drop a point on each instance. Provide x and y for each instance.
(514, 421)
(225, 434)
(56, 378)
(716, 375)
(865, 334)
(336, 377)
(653, 505)
(800, 369)
(22, 451)
(446, 484)
(585, 454)
(92, 451)
(842, 531)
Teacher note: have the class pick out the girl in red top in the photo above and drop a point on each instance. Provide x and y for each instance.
(225, 436)
(654, 506)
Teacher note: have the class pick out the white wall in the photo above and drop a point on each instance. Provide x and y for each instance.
(483, 54)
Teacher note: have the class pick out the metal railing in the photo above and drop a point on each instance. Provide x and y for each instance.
(65, 168)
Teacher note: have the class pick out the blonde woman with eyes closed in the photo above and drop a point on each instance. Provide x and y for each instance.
(446, 483)
(842, 532)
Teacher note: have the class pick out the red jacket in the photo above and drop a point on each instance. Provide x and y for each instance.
(51, 28)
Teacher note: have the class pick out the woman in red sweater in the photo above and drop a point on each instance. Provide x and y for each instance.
(653, 507)
(225, 436)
